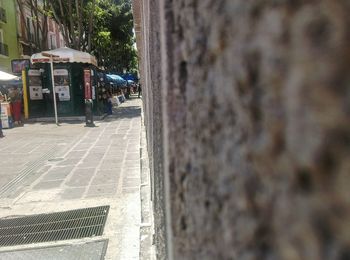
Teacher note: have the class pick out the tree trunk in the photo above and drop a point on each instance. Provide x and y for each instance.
(37, 26)
(32, 38)
(91, 18)
(71, 24)
(79, 22)
(44, 27)
(63, 26)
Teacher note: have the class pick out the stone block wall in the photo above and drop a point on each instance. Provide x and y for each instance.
(252, 103)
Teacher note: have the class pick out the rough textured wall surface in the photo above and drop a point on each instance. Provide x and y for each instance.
(147, 27)
(257, 133)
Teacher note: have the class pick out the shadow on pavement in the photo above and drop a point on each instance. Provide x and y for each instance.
(124, 112)
(70, 122)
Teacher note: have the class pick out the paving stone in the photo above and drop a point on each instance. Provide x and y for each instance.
(132, 156)
(131, 182)
(101, 190)
(132, 163)
(44, 169)
(39, 195)
(75, 154)
(78, 180)
(106, 177)
(115, 155)
(5, 178)
(70, 161)
(92, 158)
(45, 185)
(72, 193)
(130, 190)
(113, 160)
(10, 169)
(111, 164)
(97, 152)
(82, 147)
(103, 143)
(84, 171)
(132, 148)
(58, 173)
(88, 164)
(131, 171)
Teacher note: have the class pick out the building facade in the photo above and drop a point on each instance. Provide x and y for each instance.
(8, 35)
(36, 35)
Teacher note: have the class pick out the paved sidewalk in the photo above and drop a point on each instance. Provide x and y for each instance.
(45, 168)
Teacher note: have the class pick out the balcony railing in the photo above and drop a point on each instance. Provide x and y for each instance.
(4, 49)
(2, 15)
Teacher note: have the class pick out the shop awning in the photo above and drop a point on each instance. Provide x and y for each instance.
(65, 55)
(7, 76)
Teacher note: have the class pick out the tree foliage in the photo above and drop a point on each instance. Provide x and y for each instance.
(101, 27)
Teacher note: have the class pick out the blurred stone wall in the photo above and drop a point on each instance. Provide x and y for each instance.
(147, 28)
(255, 104)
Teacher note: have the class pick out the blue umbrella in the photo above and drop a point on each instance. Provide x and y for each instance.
(129, 76)
(119, 81)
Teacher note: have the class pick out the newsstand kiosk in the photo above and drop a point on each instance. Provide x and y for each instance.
(69, 78)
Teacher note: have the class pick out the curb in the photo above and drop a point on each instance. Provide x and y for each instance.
(147, 248)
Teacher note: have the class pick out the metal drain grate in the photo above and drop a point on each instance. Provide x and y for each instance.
(72, 224)
(95, 250)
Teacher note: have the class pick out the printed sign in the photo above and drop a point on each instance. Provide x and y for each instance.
(61, 77)
(43, 60)
(19, 64)
(35, 85)
(87, 84)
(5, 109)
(35, 93)
(60, 72)
(34, 73)
(63, 93)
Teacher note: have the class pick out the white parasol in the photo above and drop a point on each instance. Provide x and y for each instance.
(7, 77)
(64, 55)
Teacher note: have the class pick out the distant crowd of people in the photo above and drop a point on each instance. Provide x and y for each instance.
(117, 96)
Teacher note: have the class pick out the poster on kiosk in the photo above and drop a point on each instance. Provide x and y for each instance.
(61, 78)
(35, 85)
(87, 84)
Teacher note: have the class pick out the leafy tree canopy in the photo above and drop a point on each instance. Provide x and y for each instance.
(101, 27)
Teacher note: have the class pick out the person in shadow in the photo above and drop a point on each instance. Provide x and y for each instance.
(139, 90)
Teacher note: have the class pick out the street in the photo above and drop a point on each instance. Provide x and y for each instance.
(46, 168)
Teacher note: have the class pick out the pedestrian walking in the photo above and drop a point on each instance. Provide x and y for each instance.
(139, 90)
(109, 104)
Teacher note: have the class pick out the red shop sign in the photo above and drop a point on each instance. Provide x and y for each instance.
(87, 83)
